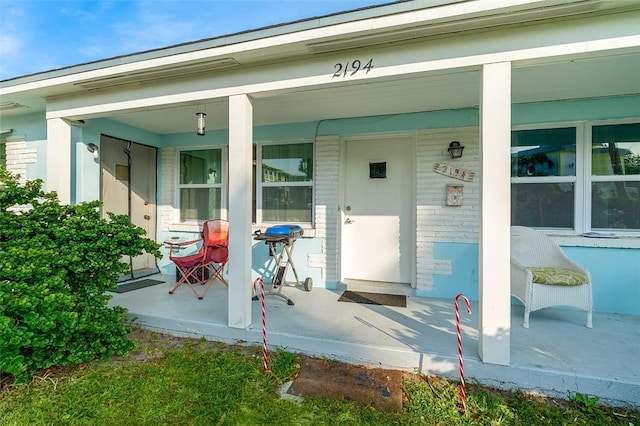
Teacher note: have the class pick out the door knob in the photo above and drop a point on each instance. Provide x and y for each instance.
(348, 221)
(147, 217)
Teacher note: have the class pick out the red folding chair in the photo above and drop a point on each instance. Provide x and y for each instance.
(207, 265)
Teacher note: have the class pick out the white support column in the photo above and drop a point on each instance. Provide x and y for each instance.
(59, 159)
(495, 214)
(240, 167)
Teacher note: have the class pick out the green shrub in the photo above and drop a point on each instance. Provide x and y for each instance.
(56, 263)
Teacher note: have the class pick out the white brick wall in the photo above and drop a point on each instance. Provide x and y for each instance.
(168, 161)
(435, 221)
(18, 156)
(327, 199)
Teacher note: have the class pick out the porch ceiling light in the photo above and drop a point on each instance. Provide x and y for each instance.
(455, 149)
(93, 148)
(200, 117)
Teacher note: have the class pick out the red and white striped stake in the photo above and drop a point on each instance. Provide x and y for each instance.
(463, 395)
(265, 365)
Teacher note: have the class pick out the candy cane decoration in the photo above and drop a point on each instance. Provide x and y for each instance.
(265, 365)
(463, 395)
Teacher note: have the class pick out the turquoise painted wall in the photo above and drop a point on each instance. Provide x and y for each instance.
(108, 127)
(37, 170)
(399, 122)
(185, 140)
(32, 126)
(615, 274)
(583, 109)
(464, 267)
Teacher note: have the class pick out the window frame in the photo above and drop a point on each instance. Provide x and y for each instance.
(589, 125)
(577, 182)
(223, 185)
(259, 184)
(583, 178)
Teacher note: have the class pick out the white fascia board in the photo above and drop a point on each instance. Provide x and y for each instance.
(631, 43)
(438, 14)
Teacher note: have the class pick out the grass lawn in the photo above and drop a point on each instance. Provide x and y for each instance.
(171, 381)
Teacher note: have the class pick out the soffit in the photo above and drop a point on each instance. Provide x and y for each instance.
(428, 92)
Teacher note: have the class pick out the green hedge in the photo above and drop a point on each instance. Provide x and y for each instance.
(56, 263)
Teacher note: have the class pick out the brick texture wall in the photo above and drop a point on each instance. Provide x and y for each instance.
(18, 156)
(435, 221)
(327, 199)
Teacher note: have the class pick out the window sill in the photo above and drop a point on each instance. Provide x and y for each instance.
(576, 240)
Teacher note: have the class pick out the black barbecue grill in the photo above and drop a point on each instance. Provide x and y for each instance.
(281, 240)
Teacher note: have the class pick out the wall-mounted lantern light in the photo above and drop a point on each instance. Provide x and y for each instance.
(93, 148)
(455, 149)
(201, 116)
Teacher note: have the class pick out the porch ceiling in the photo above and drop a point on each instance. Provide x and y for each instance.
(570, 79)
(565, 78)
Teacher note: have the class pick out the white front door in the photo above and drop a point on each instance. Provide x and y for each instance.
(128, 182)
(377, 229)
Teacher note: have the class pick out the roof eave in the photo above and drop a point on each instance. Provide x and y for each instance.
(311, 35)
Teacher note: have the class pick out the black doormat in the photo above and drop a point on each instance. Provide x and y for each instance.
(374, 298)
(123, 288)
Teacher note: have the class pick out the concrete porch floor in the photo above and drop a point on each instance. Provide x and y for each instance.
(557, 356)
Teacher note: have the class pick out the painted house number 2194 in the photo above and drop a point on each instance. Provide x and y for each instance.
(351, 68)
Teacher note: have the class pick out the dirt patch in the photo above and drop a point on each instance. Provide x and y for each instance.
(375, 387)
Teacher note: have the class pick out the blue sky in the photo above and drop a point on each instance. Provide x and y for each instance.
(43, 35)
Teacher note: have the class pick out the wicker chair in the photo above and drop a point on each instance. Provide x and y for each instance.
(542, 275)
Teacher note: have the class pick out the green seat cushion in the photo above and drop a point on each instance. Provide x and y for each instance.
(557, 276)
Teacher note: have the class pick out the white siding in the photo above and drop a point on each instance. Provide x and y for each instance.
(168, 181)
(435, 221)
(327, 200)
(18, 156)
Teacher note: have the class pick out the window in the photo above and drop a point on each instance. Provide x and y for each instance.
(282, 185)
(543, 171)
(200, 185)
(615, 180)
(583, 177)
(285, 183)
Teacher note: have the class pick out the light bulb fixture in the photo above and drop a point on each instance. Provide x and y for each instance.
(455, 149)
(93, 148)
(200, 117)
